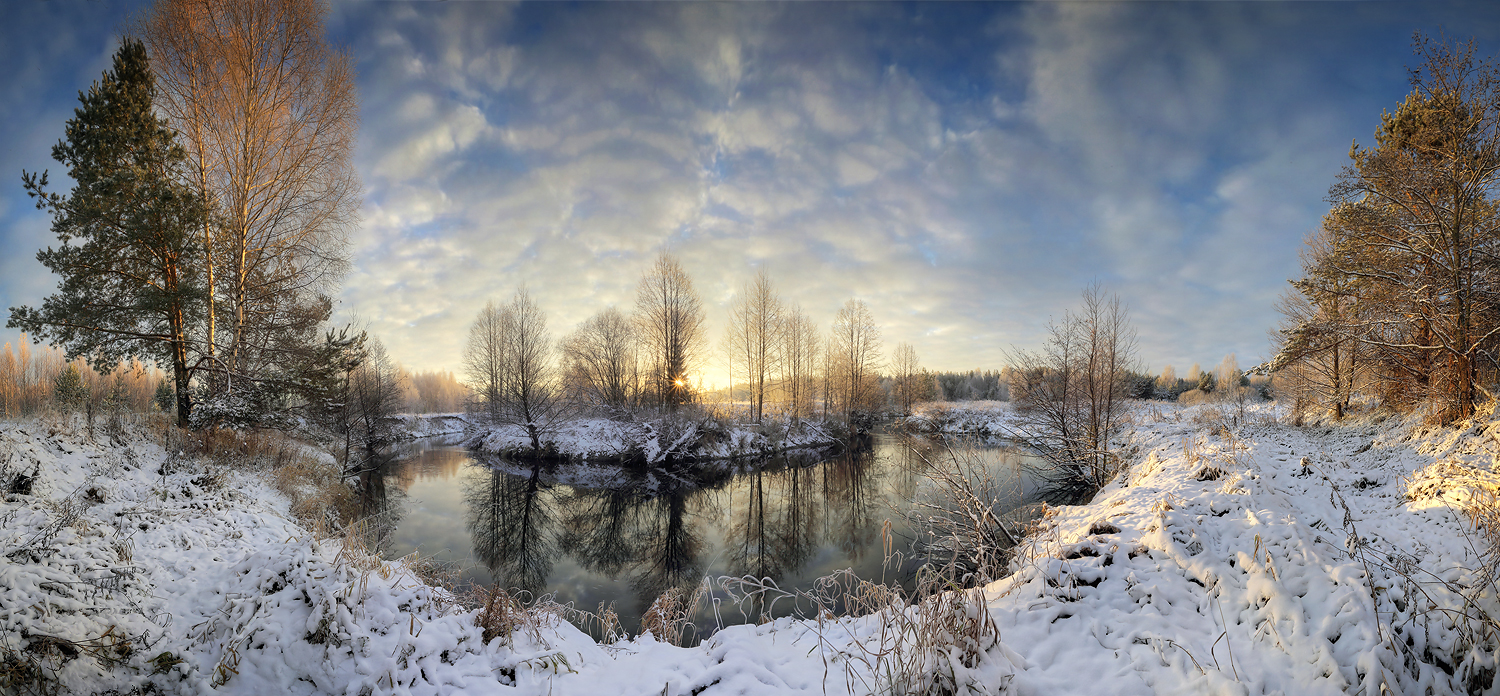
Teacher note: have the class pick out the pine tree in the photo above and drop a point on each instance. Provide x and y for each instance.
(117, 400)
(165, 396)
(68, 391)
(129, 259)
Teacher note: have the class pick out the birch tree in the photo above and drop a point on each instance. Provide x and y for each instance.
(799, 362)
(599, 359)
(855, 353)
(484, 359)
(907, 375)
(670, 322)
(529, 389)
(753, 338)
(269, 113)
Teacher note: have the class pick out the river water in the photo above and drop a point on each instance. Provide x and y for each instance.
(591, 535)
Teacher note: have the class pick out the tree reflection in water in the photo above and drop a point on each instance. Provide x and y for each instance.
(379, 513)
(628, 529)
(847, 492)
(670, 548)
(601, 528)
(789, 519)
(775, 533)
(511, 523)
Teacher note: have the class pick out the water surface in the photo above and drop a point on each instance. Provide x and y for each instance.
(615, 537)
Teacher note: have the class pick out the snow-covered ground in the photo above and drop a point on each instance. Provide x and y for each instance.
(976, 418)
(1219, 563)
(418, 425)
(654, 441)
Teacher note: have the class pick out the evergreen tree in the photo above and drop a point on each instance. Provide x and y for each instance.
(68, 390)
(165, 396)
(118, 399)
(129, 259)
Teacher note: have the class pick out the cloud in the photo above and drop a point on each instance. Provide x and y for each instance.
(847, 162)
(964, 168)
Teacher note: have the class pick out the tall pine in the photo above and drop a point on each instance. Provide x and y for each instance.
(128, 262)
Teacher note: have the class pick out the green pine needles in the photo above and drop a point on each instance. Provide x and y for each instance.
(129, 262)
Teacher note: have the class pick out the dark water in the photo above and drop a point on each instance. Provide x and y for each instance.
(592, 535)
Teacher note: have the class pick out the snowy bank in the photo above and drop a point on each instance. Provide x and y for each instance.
(972, 418)
(676, 440)
(1224, 561)
(1233, 556)
(413, 426)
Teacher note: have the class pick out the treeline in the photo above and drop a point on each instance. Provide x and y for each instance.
(1224, 382)
(206, 230)
(30, 378)
(29, 382)
(1399, 299)
(782, 363)
(974, 385)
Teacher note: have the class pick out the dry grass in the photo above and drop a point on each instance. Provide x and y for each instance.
(502, 614)
(321, 500)
(670, 618)
(957, 514)
(927, 641)
(34, 668)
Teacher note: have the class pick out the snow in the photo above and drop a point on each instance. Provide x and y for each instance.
(1218, 563)
(419, 425)
(975, 418)
(655, 441)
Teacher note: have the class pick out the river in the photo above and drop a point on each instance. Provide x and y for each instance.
(590, 535)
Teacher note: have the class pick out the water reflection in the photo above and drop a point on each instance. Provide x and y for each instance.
(380, 515)
(541, 529)
(511, 522)
(670, 547)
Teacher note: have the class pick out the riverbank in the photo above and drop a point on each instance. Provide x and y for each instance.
(1234, 555)
(968, 418)
(670, 439)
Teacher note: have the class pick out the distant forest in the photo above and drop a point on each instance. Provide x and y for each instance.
(974, 385)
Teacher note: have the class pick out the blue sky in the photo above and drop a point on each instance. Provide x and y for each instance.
(964, 168)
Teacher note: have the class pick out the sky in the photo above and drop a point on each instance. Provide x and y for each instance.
(965, 169)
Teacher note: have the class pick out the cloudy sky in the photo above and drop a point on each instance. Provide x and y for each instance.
(964, 168)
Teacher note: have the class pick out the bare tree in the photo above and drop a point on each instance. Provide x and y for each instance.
(855, 351)
(484, 359)
(529, 387)
(907, 375)
(268, 112)
(1070, 394)
(799, 363)
(599, 360)
(374, 396)
(753, 339)
(669, 319)
(435, 392)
